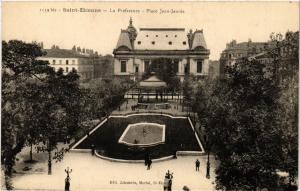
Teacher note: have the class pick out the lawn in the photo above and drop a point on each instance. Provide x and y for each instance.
(143, 133)
(179, 136)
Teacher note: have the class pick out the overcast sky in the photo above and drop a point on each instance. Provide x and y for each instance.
(220, 21)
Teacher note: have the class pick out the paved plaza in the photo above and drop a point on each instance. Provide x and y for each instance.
(92, 173)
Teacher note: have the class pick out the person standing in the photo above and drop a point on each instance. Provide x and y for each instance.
(93, 149)
(197, 165)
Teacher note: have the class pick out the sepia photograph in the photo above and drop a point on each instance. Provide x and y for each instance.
(154, 96)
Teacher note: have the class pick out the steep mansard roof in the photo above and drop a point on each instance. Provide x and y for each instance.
(124, 41)
(161, 39)
(198, 40)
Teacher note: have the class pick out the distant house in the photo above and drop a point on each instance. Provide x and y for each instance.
(103, 66)
(235, 51)
(135, 50)
(69, 60)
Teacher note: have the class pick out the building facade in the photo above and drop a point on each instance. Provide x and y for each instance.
(235, 51)
(69, 60)
(136, 49)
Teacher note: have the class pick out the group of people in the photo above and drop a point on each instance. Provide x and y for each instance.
(168, 181)
(148, 161)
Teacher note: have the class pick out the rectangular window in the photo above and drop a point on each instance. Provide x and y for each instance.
(147, 65)
(199, 66)
(123, 66)
(53, 62)
(60, 61)
(67, 69)
(73, 61)
(67, 62)
(187, 68)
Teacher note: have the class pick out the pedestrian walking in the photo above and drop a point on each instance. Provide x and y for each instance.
(197, 165)
(146, 159)
(149, 164)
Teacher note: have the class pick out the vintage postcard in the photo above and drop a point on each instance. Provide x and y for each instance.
(149, 95)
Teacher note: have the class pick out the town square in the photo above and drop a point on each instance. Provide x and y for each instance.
(150, 96)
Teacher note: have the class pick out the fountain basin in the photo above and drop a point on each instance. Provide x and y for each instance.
(143, 134)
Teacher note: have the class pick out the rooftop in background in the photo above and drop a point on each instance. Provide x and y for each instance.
(66, 53)
(162, 29)
(246, 45)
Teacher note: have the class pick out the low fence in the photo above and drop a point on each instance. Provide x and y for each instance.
(149, 112)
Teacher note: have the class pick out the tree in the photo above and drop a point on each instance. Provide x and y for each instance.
(101, 96)
(19, 68)
(61, 118)
(33, 95)
(286, 67)
(239, 116)
(250, 118)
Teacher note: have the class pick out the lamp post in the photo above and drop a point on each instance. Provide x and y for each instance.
(67, 180)
(208, 161)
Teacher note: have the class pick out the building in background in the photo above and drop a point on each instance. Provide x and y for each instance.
(136, 49)
(103, 66)
(87, 64)
(235, 51)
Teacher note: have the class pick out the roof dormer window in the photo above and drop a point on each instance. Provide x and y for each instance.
(170, 42)
(156, 35)
(147, 35)
(175, 35)
(184, 43)
(153, 42)
(166, 35)
(139, 42)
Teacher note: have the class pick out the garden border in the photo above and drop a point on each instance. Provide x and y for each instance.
(136, 114)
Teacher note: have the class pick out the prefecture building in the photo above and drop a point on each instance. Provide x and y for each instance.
(136, 49)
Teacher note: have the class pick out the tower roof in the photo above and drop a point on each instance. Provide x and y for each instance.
(198, 40)
(124, 41)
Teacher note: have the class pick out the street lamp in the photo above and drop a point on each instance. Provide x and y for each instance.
(67, 180)
(208, 162)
